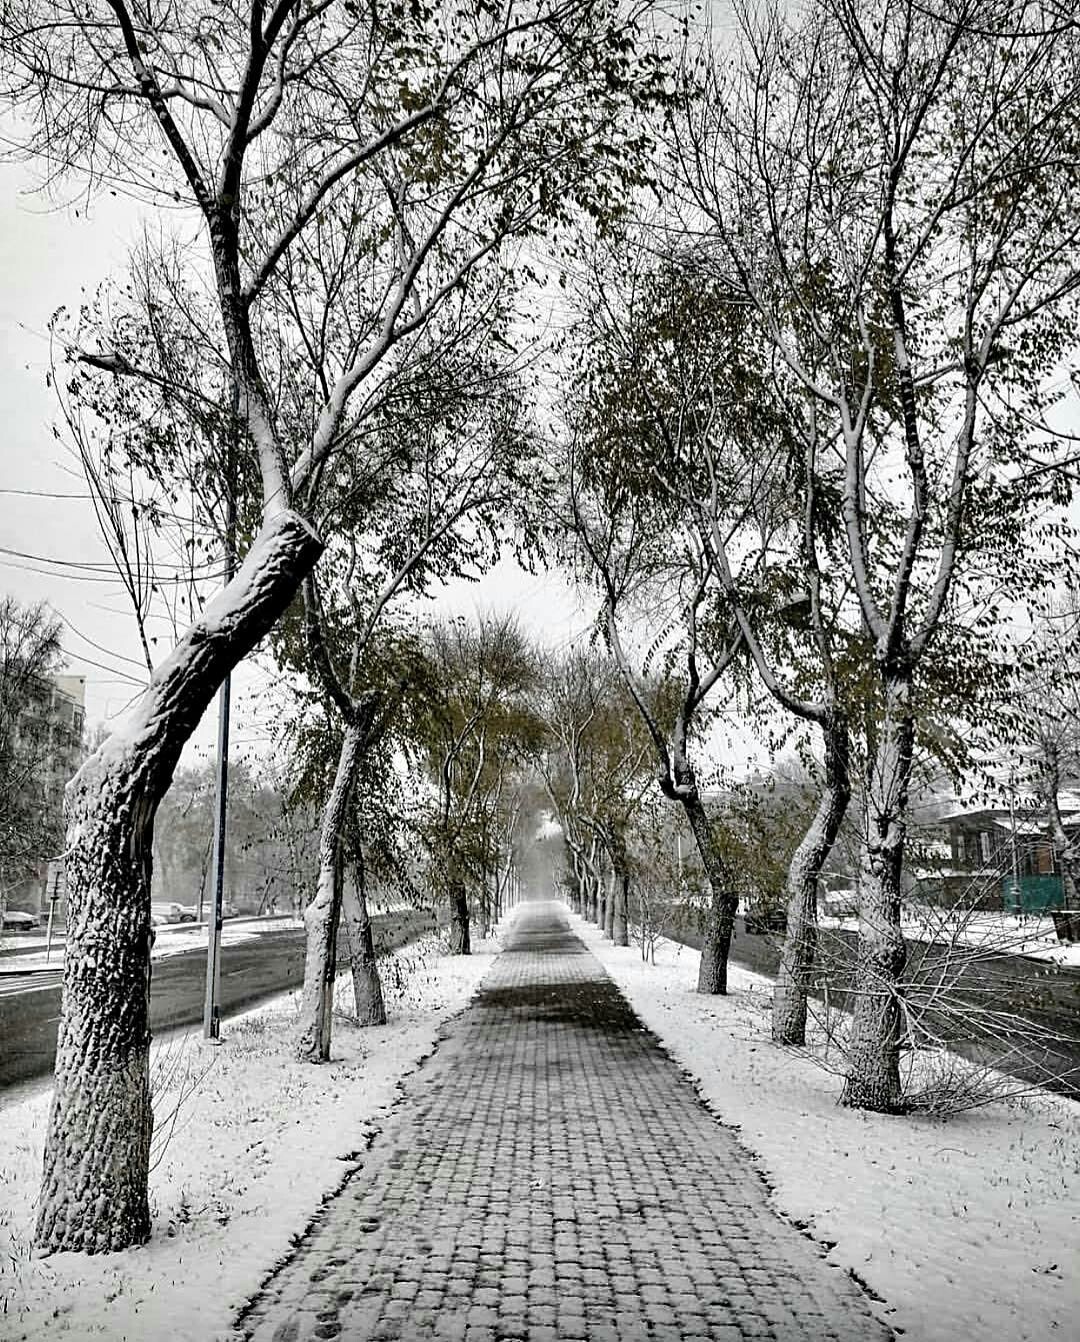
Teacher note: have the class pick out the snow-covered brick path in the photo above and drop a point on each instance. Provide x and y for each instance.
(241, 1165)
(968, 1228)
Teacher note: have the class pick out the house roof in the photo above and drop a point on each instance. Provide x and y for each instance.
(1026, 811)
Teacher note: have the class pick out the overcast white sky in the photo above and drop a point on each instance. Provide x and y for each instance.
(54, 254)
(49, 256)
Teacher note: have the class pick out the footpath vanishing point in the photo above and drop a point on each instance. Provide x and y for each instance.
(550, 1175)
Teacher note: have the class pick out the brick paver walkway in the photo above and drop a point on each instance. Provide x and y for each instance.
(550, 1175)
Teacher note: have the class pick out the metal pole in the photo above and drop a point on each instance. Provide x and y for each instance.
(212, 1007)
(48, 934)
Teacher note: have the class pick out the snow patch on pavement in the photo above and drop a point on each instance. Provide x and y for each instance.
(247, 1143)
(968, 1227)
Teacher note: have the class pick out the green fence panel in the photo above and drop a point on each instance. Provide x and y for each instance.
(1032, 894)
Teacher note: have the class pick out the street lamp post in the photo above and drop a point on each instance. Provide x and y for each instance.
(212, 1005)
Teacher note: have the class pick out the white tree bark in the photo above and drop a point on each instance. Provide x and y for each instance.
(723, 901)
(1064, 848)
(873, 1075)
(460, 942)
(94, 1187)
(609, 905)
(322, 915)
(367, 985)
(800, 942)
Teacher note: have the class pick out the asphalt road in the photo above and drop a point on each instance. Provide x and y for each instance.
(251, 970)
(1041, 1041)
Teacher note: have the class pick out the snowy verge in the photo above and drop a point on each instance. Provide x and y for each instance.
(247, 1143)
(967, 1228)
(997, 933)
(169, 939)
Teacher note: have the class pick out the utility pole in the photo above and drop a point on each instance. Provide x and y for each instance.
(212, 1007)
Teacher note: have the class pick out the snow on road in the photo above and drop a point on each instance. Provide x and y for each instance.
(996, 933)
(169, 939)
(968, 1227)
(247, 1143)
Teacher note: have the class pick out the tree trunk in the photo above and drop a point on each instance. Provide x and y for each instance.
(459, 918)
(322, 916)
(588, 912)
(800, 943)
(94, 1185)
(723, 901)
(620, 933)
(1064, 850)
(621, 929)
(873, 1077)
(367, 985)
(609, 906)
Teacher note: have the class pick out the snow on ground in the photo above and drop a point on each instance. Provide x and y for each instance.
(1000, 933)
(169, 939)
(247, 1143)
(968, 1227)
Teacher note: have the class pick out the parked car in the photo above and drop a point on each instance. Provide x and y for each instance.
(841, 901)
(760, 918)
(189, 913)
(166, 913)
(17, 921)
(227, 911)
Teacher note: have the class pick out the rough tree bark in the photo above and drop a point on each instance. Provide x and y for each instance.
(367, 985)
(723, 899)
(459, 917)
(94, 1187)
(1064, 849)
(323, 914)
(800, 943)
(620, 871)
(599, 900)
(609, 906)
(873, 1076)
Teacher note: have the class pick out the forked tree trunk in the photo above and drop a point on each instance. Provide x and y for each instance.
(97, 1147)
(723, 899)
(459, 918)
(367, 984)
(873, 1076)
(800, 943)
(322, 916)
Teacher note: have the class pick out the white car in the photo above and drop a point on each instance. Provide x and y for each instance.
(17, 921)
(166, 913)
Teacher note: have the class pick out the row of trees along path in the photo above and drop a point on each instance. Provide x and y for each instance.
(797, 426)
